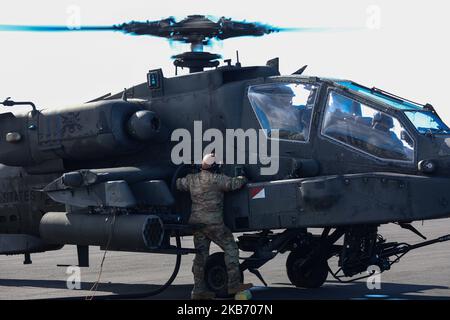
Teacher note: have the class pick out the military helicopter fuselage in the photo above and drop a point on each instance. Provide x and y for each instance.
(349, 158)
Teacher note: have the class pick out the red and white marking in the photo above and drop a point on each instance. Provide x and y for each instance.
(257, 193)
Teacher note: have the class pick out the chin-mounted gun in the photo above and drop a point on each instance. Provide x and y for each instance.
(364, 247)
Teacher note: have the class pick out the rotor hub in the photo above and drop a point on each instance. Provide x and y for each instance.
(196, 61)
(196, 30)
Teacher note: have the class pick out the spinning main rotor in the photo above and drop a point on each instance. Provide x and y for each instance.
(196, 30)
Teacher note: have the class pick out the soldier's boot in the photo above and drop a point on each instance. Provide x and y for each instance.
(202, 295)
(239, 288)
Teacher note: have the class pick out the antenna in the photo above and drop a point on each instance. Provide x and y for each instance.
(9, 103)
(238, 64)
(301, 70)
(124, 94)
(274, 63)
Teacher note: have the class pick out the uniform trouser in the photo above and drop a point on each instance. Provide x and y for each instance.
(222, 236)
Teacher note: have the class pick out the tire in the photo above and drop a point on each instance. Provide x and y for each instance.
(313, 277)
(216, 275)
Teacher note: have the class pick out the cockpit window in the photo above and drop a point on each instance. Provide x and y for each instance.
(427, 122)
(366, 129)
(286, 107)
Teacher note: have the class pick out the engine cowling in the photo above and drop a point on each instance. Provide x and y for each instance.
(89, 131)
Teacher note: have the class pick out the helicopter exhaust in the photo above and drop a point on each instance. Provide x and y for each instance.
(120, 232)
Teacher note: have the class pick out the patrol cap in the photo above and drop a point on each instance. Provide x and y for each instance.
(208, 161)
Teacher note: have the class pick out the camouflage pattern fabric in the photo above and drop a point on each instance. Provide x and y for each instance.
(223, 237)
(207, 193)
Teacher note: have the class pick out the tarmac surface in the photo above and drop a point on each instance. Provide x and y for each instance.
(421, 274)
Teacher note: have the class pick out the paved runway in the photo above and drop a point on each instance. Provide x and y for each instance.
(422, 274)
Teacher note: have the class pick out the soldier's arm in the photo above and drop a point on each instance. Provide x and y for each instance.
(183, 184)
(230, 184)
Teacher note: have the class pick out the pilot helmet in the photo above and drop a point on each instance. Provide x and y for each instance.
(382, 120)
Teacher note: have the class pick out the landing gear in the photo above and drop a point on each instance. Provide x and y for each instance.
(307, 262)
(216, 275)
(305, 273)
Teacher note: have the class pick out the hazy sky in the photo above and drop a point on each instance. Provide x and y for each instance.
(408, 55)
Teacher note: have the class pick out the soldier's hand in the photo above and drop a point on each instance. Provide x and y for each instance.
(243, 179)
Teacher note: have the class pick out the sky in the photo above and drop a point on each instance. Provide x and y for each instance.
(397, 45)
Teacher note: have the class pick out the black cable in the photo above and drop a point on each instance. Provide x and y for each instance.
(141, 295)
(96, 284)
(154, 292)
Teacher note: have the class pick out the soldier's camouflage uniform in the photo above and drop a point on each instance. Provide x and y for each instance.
(207, 194)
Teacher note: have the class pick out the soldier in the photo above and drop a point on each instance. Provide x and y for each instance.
(207, 192)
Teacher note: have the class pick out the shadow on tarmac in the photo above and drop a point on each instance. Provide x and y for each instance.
(331, 290)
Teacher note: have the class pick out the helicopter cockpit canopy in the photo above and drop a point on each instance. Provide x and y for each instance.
(366, 129)
(286, 107)
(424, 120)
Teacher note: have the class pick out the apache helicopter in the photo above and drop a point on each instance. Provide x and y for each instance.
(351, 158)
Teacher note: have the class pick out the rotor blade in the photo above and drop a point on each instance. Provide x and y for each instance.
(232, 28)
(193, 29)
(53, 28)
(318, 29)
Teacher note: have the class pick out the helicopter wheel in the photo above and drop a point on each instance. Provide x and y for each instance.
(216, 275)
(313, 277)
